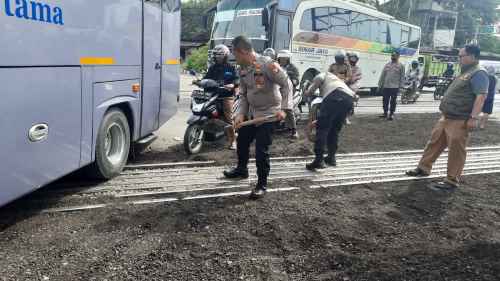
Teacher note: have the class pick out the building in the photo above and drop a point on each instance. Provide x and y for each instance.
(438, 20)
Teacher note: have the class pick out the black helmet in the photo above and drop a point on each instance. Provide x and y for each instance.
(414, 63)
(340, 56)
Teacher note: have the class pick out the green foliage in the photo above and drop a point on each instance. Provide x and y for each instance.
(197, 61)
(489, 43)
(195, 23)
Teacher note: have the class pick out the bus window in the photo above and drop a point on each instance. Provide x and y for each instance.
(340, 20)
(306, 21)
(283, 31)
(414, 41)
(405, 32)
(379, 31)
(361, 26)
(320, 20)
(394, 37)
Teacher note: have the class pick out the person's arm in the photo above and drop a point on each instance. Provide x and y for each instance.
(479, 83)
(210, 73)
(294, 75)
(382, 78)
(277, 75)
(402, 76)
(316, 83)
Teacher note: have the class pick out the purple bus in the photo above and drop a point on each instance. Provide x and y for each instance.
(84, 81)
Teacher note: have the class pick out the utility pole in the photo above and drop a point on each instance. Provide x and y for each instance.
(409, 10)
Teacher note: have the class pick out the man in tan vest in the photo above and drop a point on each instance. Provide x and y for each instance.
(460, 107)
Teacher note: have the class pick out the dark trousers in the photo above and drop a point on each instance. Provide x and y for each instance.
(332, 115)
(263, 139)
(390, 96)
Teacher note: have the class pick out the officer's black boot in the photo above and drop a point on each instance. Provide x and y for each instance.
(236, 173)
(330, 160)
(316, 164)
(258, 192)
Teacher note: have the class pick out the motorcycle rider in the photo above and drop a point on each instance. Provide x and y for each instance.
(341, 68)
(284, 57)
(354, 83)
(449, 71)
(260, 96)
(413, 75)
(225, 73)
(270, 53)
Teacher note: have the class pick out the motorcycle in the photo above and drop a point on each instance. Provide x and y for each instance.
(441, 87)
(207, 120)
(410, 93)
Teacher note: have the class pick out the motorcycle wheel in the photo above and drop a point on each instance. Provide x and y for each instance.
(311, 125)
(193, 139)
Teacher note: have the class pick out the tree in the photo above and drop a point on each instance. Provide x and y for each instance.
(194, 20)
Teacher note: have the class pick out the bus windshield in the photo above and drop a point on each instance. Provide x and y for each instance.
(243, 17)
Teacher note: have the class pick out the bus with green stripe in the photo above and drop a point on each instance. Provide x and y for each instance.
(314, 30)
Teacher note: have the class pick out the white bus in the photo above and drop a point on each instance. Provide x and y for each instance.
(315, 29)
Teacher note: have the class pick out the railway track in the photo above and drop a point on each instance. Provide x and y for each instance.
(171, 182)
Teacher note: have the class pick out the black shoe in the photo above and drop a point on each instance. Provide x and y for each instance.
(315, 165)
(236, 173)
(443, 185)
(383, 116)
(331, 161)
(390, 118)
(417, 173)
(258, 192)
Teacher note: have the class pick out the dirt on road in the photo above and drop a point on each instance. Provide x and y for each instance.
(389, 231)
(366, 133)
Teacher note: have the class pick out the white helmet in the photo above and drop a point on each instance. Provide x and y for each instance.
(284, 54)
(490, 69)
(269, 52)
(221, 51)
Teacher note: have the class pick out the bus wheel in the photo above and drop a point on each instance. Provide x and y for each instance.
(112, 145)
(193, 138)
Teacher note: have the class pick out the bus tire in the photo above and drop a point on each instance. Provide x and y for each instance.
(112, 145)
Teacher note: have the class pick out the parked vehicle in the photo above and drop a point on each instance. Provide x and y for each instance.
(314, 30)
(83, 82)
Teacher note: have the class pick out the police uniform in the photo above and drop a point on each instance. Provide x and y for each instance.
(342, 71)
(260, 96)
(337, 103)
(293, 74)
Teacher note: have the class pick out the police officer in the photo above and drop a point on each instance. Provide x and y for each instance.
(391, 81)
(337, 103)
(260, 83)
(341, 68)
(354, 82)
(460, 107)
(291, 70)
(224, 73)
